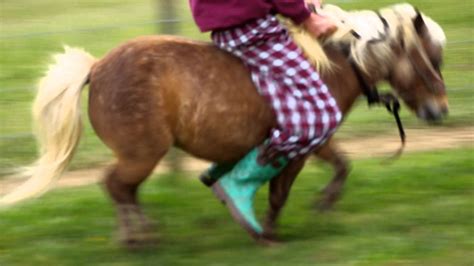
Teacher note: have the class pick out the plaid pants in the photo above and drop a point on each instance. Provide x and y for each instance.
(306, 112)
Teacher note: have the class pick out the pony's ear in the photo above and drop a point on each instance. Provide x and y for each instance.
(419, 23)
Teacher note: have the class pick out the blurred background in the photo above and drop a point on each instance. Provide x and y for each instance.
(418, 210)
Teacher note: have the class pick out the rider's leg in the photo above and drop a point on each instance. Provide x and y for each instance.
(306, 112)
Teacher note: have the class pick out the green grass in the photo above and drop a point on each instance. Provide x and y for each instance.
(417, 211)
(31, 30)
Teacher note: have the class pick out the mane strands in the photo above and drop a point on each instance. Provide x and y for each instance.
(434, 29)
(372, 51)
(311, 48)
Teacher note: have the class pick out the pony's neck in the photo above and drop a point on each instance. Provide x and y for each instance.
(378, 74)
(342, 80)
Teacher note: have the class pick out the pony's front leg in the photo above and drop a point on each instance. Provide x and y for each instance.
(122, 183)
(279, 191)
(332, 192)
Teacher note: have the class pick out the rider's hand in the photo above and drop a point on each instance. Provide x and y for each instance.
(319, 26)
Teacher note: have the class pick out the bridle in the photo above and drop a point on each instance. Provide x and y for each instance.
(372, 94)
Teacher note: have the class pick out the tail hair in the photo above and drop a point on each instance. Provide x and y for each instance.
(57, 118)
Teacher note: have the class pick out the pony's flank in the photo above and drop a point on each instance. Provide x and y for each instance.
(57, 118)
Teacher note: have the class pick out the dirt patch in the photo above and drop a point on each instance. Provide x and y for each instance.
(417, 140)
(378, 146)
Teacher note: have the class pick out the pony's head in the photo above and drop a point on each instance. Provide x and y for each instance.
(397, 44)
(415, 72)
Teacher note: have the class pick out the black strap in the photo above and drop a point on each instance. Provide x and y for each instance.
(384, 21)
(371, 92)
(393, 106)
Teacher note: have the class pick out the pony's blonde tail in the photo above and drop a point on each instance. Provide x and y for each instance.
(56, 112)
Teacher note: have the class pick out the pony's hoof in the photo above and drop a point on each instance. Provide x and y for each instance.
(327, 202)
(270, 235)
(324, 206)
(139, 243)
(267, 240)
(269, 230)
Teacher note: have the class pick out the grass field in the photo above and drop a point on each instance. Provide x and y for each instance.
(31, 30)
(418, 211)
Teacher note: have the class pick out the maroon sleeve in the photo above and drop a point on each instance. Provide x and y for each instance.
(296, 10)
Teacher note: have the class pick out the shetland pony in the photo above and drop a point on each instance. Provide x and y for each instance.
(155, 92)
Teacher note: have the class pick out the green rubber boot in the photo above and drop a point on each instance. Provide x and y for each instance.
(238, 187)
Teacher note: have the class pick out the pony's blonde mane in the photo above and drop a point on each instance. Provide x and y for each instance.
(369, 26)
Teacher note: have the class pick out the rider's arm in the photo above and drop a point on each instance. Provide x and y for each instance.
(299, 13)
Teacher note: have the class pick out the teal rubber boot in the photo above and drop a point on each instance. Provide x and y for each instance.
(237, 188)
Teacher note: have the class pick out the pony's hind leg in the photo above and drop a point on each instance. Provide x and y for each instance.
(332, 192)
(122, 183)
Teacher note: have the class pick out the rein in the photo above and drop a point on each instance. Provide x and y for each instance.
(372, 94)
(388, 99)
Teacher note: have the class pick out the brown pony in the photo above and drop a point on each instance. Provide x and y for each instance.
(156, 92)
